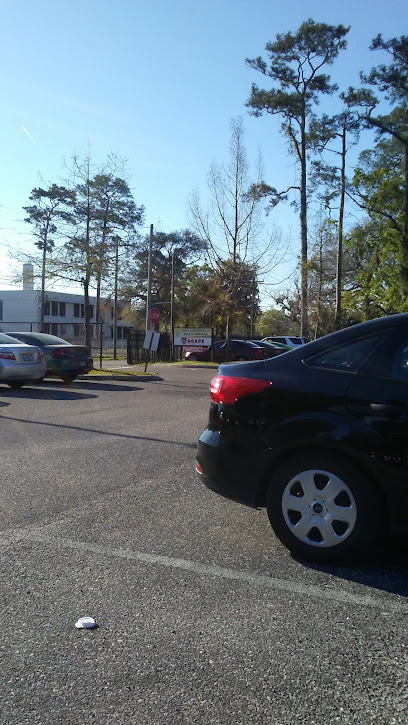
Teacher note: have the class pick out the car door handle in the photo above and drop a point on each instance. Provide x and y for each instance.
(391, 406)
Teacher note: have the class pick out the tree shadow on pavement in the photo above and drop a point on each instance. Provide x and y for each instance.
(100, 432)
(388, 571)
(88, 385)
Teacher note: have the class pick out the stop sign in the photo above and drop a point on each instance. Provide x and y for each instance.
(154, 315)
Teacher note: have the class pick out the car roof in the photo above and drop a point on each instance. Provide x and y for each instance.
(348, 334)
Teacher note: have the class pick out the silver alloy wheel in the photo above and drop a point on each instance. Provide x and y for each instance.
(319, 508)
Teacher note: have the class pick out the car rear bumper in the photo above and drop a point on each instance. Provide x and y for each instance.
(29, 371)
(71, 366)
(231, 471)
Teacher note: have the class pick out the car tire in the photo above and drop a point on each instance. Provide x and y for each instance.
(323, 508)
(69, 377)
(192, 358)
(17, 384)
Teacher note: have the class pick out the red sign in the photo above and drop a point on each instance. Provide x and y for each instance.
(189, 348)
(154, 315)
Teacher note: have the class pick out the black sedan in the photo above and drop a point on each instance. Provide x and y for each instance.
(319, 437)
(240, 350)
(63, 359)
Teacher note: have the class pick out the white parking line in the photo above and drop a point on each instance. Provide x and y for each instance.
(384, 604)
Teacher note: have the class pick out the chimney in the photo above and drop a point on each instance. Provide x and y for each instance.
(28, 277)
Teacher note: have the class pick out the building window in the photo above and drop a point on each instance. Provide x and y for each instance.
(54, 309)
(62, 309)
(79, 310)
(1, 309)
(46, 307)
(91, 307)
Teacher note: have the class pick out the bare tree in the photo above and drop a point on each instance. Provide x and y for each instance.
(230, 225)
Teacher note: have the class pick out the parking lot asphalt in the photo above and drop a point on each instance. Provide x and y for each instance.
(203, 616)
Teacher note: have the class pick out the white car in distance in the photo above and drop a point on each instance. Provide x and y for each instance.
(292, 341)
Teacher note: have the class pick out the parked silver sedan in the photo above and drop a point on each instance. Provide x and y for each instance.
(20, 363)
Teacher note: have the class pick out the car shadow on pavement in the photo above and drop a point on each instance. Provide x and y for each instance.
(388, 572)
(44, 394)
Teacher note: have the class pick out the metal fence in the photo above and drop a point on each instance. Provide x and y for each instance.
(129, 341)
(136, 353)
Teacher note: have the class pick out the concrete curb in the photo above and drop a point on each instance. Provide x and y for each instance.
(149, 377)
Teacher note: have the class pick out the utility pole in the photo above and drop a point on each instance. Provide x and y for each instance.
(253, 305)
(149, 280)
(115, 301)
(172, 308)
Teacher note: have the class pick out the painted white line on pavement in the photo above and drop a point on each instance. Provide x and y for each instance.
(341, 597)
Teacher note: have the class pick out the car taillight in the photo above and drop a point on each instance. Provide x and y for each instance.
(258, 352)
(60, 352)
(40, 355)
(224, 389)
(7, 355)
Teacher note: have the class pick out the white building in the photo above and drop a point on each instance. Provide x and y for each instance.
(64, 312)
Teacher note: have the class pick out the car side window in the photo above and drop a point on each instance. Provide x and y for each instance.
(219, 345)
(399, 369)
(347, 357)
(391, 359)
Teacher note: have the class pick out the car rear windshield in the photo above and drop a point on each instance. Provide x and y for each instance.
(43, 338)
(7, 340)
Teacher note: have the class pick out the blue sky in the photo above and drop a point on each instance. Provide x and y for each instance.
(156, 82)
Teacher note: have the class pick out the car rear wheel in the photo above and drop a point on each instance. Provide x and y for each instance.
(17, 384)
(69, 377)
(323, 508)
